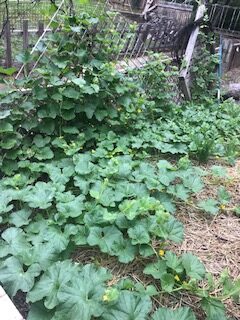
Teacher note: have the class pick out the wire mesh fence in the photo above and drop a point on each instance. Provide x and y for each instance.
(18, 11)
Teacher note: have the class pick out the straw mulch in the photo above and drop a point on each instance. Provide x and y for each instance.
(215, 240)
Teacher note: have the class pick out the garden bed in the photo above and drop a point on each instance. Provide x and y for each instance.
(100, 173)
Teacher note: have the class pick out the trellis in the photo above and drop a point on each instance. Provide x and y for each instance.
(157, 26)
(155, 32)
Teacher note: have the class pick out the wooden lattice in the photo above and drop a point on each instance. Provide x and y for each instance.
(157, 29)
(128, 5)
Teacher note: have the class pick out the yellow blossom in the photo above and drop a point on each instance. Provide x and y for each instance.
(139, 110)
(105, 297)
(222, 206)
(161, 253)
(177, 278)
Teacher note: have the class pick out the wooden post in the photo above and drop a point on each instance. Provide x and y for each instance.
(235, 62)
(25, 35)
(25, 40)
(40, 28)
(184, 77)
(8, 58)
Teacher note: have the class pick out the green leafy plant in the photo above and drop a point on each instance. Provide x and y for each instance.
(79, 169)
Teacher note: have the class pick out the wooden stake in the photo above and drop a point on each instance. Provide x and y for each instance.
(25, 35)
(8, 61)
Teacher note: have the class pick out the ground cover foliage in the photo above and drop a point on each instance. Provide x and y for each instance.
(85, 163)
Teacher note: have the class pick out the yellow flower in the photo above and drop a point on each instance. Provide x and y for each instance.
(222, 206)
(161, 253)
(119, 109)
(185, 283)
(105, 297)
(139, 110)
(177, 278)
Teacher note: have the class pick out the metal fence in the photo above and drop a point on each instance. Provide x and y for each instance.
(225, 19)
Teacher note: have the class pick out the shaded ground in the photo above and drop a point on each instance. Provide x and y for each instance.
(20, 302)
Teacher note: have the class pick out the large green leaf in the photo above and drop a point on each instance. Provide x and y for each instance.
(135, 207)
(167, 282)
(105, 195)
(55, 236)
(20, 218)
(224, 196)
(193, 182)
(125, 251)
(209, 205)
(173, 262)
(16, 242)
(104, 238)
(8, 71)
(83, 164)
(5, 200)
(139, 234)
(170, 230)
(156, 269)
(179, 191)
(193, 266)
(71, 93)
(39, 196)
(43, 233)
(183, 313)
(83, 296)
(72, 208)
(38, 311)
(215, 309)
(44, 254)
(15, 278)
(128, 307)
(51, 282)
(6, 127)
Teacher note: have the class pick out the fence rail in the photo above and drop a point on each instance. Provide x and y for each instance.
(225, 19)
(18, 40)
